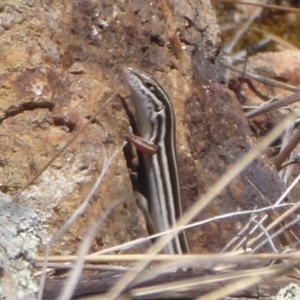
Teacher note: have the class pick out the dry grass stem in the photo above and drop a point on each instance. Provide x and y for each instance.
(65, 146)
(133, 243)
(241, 55)
(201, 204)
(75, 273)
(243, 28)
(86, 266)
(238, 34)
(287, 150)
(186, 259)
(242, 258)
(283, 216)
(286, 173)
(81, 209)
(276, 38)
(238, 266)
(267, 81)
(43, 273)
(270, 6)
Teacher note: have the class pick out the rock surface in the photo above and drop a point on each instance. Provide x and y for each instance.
(19, 239)
(62, 59)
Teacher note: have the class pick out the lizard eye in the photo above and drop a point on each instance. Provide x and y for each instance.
(149, 85)
(159, 109)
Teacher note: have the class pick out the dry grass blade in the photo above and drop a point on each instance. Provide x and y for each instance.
(185, 285)
(242, 233)
(64, 147)
(241, 55)
(242, 284)
(287, 171)
(288, 166)
(268, 237)
(188, 287)
(273, 215)
(233, 214)
(73, 219)
(275, 234)
(80, 210)
(263, 79)
(129, 277)
(276, 38)
(133, 243)
(200, 259)
(239, 33)
(286, 152)
(86, 266)
(43, 277)
(126, 245)
(228, 49)
(270, 6)
(74, 275)
(175, 286)
(204, 278)
(281, 217)
(77, 213)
